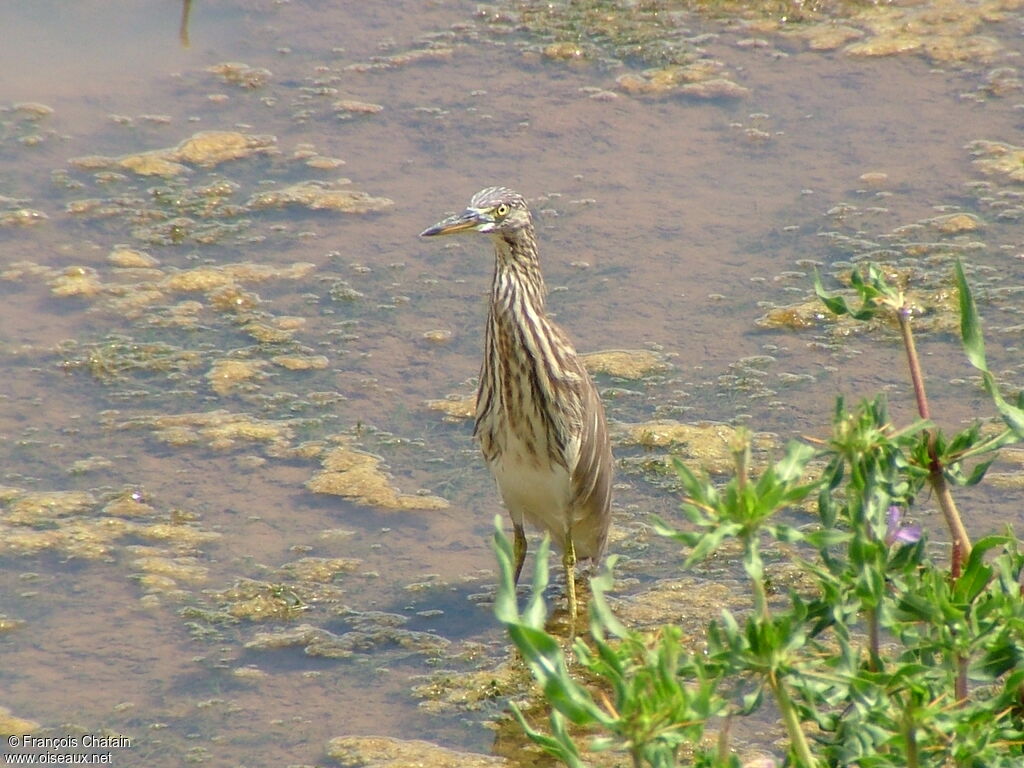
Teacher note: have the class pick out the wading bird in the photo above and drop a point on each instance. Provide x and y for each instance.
(539, 418)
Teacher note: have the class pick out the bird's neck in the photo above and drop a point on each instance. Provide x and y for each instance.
(517, 276)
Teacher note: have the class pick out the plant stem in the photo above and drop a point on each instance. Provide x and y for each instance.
(916, 375)
(797, 737)
(960, 683)
(937, 480)
(962, 548)
(910, 734)
(723, 740)
(874, 640)
(760, 599)
(936, 476)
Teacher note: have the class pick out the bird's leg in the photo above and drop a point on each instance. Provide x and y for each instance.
(569, 563)
(519, 549)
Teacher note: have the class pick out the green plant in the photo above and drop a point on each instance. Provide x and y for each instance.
(886, 659)
(655, 697)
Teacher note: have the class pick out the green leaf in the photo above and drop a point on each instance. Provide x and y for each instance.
(710, 541)
(827, 537)
(574, 702)
(835, 304)
(978, 472)
(1013, 415)
(560, 746)
(786, 533)
(536, 611)
(790, 468)
(692, 483)
(972, 581)
(998, 660)
(506, 608)
(974, 348)
(600, 612)
(753, 564)
(970, 323)
(752, 701)
(993, 443)
(546, 662)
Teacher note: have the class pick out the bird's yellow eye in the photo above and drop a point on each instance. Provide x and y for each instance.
(502, 210)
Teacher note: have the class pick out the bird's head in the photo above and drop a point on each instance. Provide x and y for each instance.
(496, 210)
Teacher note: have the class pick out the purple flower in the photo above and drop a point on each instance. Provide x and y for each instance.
(896, 531)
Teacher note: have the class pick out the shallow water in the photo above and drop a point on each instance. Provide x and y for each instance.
(668, 223)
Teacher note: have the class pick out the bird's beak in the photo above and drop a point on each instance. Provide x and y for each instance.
(460, 222)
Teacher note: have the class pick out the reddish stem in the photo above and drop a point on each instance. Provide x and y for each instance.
(936, 475)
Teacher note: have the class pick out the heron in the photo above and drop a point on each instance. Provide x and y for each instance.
(539, 418)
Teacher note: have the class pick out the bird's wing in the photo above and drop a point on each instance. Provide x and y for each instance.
(584, 434)
(593, 470)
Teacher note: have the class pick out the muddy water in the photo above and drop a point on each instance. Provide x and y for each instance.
(668, 222)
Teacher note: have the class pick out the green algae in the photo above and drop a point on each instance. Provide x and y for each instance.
(255, 600)
(624, 363)
(484, 689)
(84, 525)
(239, 74)
(455, 407)
(909, 260)
(11, 724)
(373, 634)
(598, 29)
(656, 38)
(204, 149)
(229, 376)
(118, 357)
(25, 124)
(998, 158)
(429, 52)
(320, 570)
(705, 445)
(218, 430)
(320, 196)
(13, 214)
(387, 752)
(358, 476)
